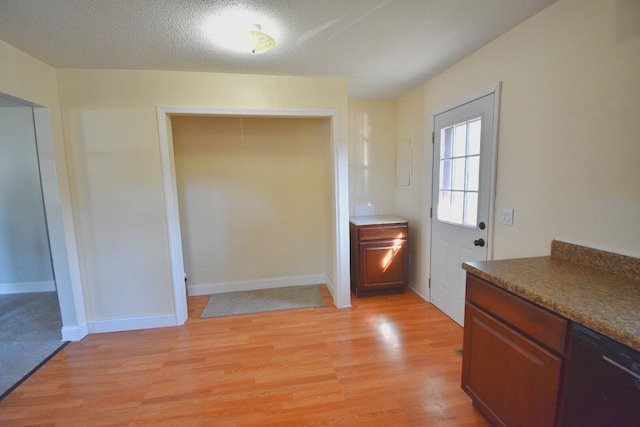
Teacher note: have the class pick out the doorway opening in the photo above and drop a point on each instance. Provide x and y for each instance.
(34, 285)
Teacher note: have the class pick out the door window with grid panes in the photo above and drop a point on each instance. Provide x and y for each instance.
(460, 173)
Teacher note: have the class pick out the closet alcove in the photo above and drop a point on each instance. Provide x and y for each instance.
(252, 196)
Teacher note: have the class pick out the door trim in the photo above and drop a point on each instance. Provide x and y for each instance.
(59, 222)
(488, 90)
(338, 274)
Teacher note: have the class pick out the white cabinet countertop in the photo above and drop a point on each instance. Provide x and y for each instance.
(376, 219)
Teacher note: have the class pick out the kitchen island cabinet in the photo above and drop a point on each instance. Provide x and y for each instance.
(519, 314)
(513, 356)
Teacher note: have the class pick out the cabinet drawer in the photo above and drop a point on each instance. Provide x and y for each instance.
(545, 327)
(398, 231)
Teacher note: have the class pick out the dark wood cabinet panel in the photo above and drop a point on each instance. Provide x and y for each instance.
(379, 258)
(383, 264)
(513, 356)
(512, 380)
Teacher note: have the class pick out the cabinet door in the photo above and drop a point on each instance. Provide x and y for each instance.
(383, 264)
(512, 381)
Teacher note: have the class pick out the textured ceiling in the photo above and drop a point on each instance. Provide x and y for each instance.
(384, 47)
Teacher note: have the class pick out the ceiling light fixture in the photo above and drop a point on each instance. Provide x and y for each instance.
(255, 41)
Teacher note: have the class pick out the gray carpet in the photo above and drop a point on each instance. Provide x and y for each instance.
(246, 302)
(29, 334)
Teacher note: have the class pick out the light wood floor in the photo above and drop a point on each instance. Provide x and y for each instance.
(387, 361)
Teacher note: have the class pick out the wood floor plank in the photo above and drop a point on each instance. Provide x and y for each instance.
(387, 361)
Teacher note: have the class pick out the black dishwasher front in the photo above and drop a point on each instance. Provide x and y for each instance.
(603, 382)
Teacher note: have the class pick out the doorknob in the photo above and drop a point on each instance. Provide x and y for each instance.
(479, 242)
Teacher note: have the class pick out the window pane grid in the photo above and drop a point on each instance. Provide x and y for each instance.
(459, 178)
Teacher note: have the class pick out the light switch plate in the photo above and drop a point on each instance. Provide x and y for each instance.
(505, 216)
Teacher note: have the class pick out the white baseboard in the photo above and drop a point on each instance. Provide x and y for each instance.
(169, 319)
(132, 323)
(27, 287)
(218, 288)
(75, 333)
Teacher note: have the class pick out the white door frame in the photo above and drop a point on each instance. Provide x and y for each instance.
(60, 228)
(491, 89)
(338, 276)
(62, 241)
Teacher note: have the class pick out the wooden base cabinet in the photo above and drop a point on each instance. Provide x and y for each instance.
(379, 258)
(512, 358)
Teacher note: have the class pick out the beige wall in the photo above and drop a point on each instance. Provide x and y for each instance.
(112, 139)
(252, 194)
(412, 202)
(569, 141)
(27, 78)
(372, 154)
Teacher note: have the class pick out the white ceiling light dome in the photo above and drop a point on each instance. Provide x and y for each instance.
(253, 40)
(241, 31)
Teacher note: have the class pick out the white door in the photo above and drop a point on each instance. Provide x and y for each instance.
(463, 163)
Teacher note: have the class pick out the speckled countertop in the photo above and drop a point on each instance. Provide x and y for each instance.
(574, 283)
(375, 219)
